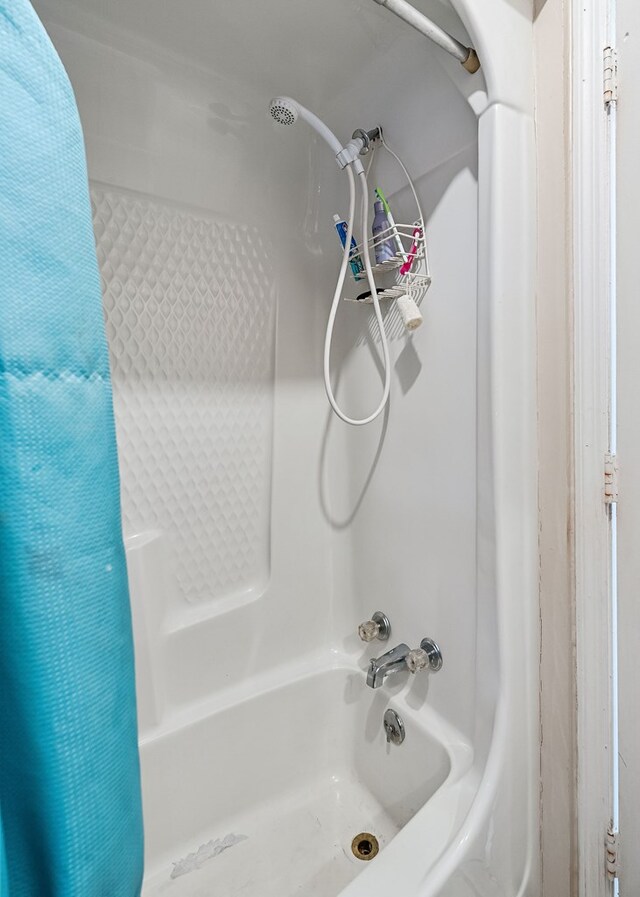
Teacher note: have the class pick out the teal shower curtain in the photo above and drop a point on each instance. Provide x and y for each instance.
(70, 808)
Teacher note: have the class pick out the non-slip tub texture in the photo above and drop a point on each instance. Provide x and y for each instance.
(70, 804)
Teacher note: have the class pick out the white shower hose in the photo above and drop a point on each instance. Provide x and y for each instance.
(374, 295)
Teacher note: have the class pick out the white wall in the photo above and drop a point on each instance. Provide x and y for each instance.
(217, 432)
(409, 493)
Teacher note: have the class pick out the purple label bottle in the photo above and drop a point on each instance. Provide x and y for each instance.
(384, 249)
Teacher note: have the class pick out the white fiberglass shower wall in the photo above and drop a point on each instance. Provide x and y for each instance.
(260, 529)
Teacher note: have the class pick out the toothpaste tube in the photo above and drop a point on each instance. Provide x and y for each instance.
(357, 267)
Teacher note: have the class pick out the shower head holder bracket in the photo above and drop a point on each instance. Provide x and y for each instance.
(367, 137)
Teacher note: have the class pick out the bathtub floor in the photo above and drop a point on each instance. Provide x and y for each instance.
(300, 844)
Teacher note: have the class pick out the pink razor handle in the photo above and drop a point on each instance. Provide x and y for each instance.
(406, 267)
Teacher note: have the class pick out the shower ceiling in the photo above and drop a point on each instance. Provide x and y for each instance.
(277, 38)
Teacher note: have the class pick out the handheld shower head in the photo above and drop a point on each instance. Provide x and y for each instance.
(286, 111)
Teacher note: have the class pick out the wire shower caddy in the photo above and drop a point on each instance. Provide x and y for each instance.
(407, 272)
(391, 283)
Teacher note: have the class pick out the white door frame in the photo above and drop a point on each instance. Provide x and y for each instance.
(592, 383)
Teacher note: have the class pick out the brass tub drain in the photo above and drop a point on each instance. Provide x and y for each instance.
(365, 846)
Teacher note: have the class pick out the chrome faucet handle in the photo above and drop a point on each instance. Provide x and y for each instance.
(427, 657)
(378, 627)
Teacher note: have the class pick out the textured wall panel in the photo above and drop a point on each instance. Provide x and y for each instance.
(189, 304)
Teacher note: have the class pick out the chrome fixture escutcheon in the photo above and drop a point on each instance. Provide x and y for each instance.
(434, 654)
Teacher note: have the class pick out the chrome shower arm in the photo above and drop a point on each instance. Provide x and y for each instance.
(465, 55)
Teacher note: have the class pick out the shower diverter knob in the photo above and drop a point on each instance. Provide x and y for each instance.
(378, 627)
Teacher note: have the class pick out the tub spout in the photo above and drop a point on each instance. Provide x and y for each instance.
(391, 662)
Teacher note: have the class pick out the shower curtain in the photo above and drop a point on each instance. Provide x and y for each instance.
(70, 808)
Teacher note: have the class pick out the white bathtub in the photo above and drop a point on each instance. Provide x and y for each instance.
(299, 768)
